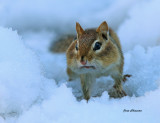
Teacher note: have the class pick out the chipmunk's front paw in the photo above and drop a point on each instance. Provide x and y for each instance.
(117, 93)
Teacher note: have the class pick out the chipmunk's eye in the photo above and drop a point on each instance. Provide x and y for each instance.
(97, 46)
(76, 47)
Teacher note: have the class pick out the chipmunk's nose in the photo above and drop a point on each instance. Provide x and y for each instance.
(83, 61)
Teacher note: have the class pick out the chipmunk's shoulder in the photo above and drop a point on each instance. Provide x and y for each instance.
(115, 38)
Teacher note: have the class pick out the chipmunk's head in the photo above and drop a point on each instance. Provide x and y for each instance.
(92, 50)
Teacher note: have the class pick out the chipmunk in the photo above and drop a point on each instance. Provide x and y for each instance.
(95, 53)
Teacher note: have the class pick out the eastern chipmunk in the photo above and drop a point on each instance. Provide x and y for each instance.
(95, 53)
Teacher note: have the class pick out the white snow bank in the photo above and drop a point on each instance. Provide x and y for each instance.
(54, 64)
(142, 26)
(57, 15)
(63, 108)
(144, 66)
(21, 76)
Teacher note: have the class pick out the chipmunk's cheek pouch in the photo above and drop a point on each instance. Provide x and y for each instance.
(90, 58)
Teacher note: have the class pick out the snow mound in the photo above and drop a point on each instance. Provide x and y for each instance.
(63, 108)
(142, 26)
(21, 76)
(56, 15)
(144, 66)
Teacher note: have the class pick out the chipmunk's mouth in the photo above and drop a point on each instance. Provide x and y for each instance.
(88, 67)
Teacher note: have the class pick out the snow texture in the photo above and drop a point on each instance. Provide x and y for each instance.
(34, 86)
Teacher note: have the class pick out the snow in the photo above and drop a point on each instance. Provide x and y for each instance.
(48, 14)
(103, 110)
(142, 26)
(21, 75)
(34, 85)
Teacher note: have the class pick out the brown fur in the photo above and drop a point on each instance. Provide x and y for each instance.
(86, 40)
(61, 45)
(109, 57)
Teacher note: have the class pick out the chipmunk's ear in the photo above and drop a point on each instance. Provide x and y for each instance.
(103, 30)
(79, 29)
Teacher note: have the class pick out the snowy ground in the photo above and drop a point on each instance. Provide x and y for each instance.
(33, 81)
